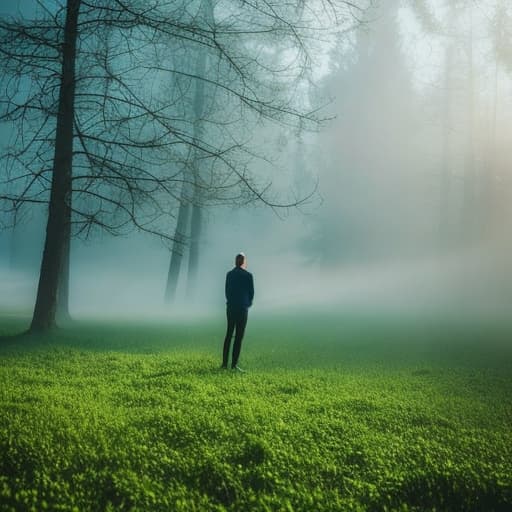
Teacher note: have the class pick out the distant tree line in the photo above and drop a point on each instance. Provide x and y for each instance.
(416, 164)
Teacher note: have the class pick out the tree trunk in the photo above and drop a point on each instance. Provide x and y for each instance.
(193, 260)
(469, 213)
(445, 193)
(178, 245)
(199, 111)
(12, 248)
(184, 209)
(63, 290)
(491, 196)
(59, 209)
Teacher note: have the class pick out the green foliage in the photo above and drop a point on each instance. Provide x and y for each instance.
(333, 414)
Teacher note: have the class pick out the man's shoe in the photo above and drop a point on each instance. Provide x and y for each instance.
(224, 367)
(237, 369)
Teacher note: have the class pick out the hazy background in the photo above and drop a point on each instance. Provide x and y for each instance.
(412, 184)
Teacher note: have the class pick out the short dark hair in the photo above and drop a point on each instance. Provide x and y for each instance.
(239, 259)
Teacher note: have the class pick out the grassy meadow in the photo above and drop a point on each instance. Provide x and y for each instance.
(334, 413)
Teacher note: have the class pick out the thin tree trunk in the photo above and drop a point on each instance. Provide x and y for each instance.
(178, 245)
(196, 222)
(180, 238)
(199, 111)
(445, 193)
(469, 203)
(59, 208)
(12, 248)
(446, 206)
(491, 196)
(193, 260)
(489, 179)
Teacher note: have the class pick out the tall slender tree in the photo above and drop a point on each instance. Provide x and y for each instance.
(59, 210)
(470, 190)
(191, 189)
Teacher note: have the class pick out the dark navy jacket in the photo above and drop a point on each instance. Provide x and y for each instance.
(239, 288)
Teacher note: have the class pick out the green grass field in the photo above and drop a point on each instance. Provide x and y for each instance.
(333, 414)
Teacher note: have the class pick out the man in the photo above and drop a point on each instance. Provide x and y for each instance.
(239, 296)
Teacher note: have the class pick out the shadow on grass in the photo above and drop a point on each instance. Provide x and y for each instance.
(198, 370)
(19, 339)
(126, 337)
(26, 341)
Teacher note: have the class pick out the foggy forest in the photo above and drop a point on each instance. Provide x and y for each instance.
(372, 162)
(357, 153)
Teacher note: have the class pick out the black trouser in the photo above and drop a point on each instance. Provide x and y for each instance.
(237, 318)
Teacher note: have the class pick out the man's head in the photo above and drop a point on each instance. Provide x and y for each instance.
(240, 260)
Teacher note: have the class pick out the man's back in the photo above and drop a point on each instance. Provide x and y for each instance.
(239, 296)
(239, 288)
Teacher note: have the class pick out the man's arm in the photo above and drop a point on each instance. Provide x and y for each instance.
(226, 287)
(251, 289)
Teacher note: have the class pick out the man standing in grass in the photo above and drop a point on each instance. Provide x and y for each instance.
(239, 295)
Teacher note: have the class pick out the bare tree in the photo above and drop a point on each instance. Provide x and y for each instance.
(97, 131)
(187, 202)
(59, 210)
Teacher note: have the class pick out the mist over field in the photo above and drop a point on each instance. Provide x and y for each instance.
(410, 186)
